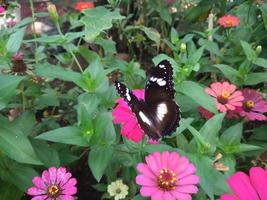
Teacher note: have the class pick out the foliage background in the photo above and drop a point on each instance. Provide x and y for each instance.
(65, 97)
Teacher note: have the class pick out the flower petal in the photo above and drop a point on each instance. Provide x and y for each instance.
(148, 191)
(258, 178)
(145, 181)
(187, 189)
(157, 195)
(144, 169)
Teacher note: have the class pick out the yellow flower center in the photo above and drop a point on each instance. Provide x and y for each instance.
(53, 191)
(167, 180)
(249, 104)
(223, 99)
(229, 23)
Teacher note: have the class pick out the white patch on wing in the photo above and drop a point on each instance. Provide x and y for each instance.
(161, 82)
(153, 79)
(128, 97)
(161, 111)
(144, 118)
(161, 66)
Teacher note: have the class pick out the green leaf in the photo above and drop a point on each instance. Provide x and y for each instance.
(8, 85)
(157, 147)
(250, 53)
(195, 57)
(197, 94)
(97, 20)
(15, 40)
(263, 8)
(15, 144)
(25, 122)
(229, 72)
(66, 135)
(184, 123)
(256, 78)
(245, 148)
(138, 197)
(232, 135)
(109, 46)
(262, 62)
(174, 36)
(18, 174)
(9, 191)
(152, 34)
(99, 158)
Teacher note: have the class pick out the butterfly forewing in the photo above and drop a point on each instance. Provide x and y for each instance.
(158, 115)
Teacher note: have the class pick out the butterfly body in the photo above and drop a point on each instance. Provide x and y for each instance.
(158, 114)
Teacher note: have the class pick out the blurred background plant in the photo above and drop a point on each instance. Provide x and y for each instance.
(58, 64)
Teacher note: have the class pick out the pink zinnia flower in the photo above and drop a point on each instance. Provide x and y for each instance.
(54, 184)
(2, 9)
(17, 56)
(226, 96)
(122, 114)
(253, 105)
(80, 6)
(167, 176)
(205, 113)
(228, 21)
(244, 187)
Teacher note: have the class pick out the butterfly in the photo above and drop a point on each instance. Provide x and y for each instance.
(158, 114)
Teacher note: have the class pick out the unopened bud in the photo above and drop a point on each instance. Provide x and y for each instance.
(52, 10)
(258, 49)
(183, 47)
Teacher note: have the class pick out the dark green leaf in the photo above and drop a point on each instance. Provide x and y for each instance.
(15, 40)
(256, 78)
(99, 158)
(262, 62)
(250, 53)
(152, 34)
(9, 191)
(232, 135)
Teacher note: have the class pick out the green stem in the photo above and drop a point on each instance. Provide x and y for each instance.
(71, 52)
(33, 27)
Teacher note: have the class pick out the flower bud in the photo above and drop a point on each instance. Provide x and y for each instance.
(258, 49)
(183, 47)
(52, 10)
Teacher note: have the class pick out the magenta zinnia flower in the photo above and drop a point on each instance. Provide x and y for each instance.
(2, 9)
(253, 105)
(244, 187)
(228, 21)
(226, 96)
(167, 176)
(122, 114)
(54, 184)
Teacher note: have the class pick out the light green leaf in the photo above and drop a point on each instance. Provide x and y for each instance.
(99, 158)
(250, 53)
(152, 34)
(15, 40)
(262, 62)
(229, 72)
(256, 78)
(67, 135)
(8, 85)
(15, 144)
(232, 135)
(197, 94)
(98, 20)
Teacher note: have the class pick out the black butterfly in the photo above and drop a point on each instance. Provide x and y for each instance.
(158, 114)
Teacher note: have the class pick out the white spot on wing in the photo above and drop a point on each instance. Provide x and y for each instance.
(153, 79)
(161, 111)
(144, 118)
(161, 82)
(128, 97)
(161, 66)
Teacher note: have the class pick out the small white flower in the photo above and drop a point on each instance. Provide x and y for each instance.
(118, 190)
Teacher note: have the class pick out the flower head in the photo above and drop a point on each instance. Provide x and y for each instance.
(167, 176)
(226, 96)
(54, 184)
(205, 113)
(118, 190)
(122, 114)
(228, 21)
(80, 6)
(247, 187)
(253, 105)
(2, 9)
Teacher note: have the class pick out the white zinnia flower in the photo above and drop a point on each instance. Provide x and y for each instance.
(118, 190)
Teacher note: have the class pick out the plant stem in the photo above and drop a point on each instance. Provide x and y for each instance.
(33, 27)
(71, 52)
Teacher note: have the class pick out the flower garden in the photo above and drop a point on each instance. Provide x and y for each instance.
(134, 100)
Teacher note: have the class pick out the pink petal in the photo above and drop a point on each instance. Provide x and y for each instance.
(43, 197)
(189, 180)
(228, 197)
(191, 169)
(145, 181)
(168, 196)
(69, 191)
(258, 178)
(153, 161)
(144, 169)
(187, 189)
(148, 191)
(230, 107)
(221, 107)
(38, 182)
(52, 174)
(45, 177)
(65, 179)
(61, 172)
(241, 186)
(157, 195)
(217, 88)
(136, 134)
(211, 92)
(165, 160)
(183, 164)
(35, 191)
(71, 183)
(260, 107)
(66, 197)
(252, 116)
(173, 161)
(228, 87)
(181, 196)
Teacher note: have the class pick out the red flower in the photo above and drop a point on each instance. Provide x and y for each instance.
(228, 21)
(80, 6)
